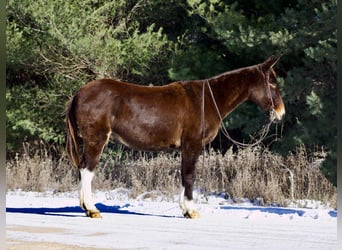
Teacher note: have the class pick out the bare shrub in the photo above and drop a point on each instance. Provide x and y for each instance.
(39, 171)
(309, 182)
(257, 173)
(143, 173)
(254, 173)
(251, 173)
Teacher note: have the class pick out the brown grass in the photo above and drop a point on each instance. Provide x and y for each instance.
(253, 173)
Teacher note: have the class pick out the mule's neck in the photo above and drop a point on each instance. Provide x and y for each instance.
(232, 88)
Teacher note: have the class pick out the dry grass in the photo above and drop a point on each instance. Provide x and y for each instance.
(253, 173)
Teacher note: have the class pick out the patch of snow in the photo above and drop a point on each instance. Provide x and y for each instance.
(154, 221)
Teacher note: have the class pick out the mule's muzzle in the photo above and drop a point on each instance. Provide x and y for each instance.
(277, 114)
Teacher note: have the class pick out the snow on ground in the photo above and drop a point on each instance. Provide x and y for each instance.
(155, 223)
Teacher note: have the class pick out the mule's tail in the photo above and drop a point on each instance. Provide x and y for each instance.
(72, 137)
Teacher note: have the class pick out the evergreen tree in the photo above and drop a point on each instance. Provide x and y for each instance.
(54, 47)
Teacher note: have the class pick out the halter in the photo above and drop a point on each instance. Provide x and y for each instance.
(269, 94)
(263, 132)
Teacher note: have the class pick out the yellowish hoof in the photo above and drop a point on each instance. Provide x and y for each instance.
(193, 215)
(93, 214)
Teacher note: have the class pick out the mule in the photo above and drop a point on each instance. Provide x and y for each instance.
(183, 115)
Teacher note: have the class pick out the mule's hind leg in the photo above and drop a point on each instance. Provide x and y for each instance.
(91, 156)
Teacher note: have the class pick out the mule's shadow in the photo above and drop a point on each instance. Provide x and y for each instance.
(275, 210)
(272, 210)
(76, 211)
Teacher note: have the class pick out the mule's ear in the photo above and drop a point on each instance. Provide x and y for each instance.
(270, 62)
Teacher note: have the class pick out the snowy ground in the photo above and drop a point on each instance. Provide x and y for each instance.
(54, 221)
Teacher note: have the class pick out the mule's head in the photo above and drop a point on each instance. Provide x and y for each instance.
(266, 93)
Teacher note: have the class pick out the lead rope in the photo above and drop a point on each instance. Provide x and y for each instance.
(203, 128)
(202, 116)
(264, 130)
(203, 135)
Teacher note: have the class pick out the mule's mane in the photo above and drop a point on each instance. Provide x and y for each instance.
(234, 71)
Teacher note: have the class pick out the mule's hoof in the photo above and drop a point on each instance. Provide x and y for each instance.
(192, 215)
(93, 214)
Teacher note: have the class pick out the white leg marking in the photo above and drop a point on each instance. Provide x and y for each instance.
(86, 199)
(186, 205)
(181, 200)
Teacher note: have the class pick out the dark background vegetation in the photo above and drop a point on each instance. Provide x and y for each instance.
(54, 47)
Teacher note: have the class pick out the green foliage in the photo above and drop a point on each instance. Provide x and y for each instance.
(35, 113)
(310, 89)
(54, 47)
(91, 39)
(306, 33)
(196, 62)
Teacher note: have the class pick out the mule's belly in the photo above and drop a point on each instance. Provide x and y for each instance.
(149, 141)
(150, 132)
(149, 121)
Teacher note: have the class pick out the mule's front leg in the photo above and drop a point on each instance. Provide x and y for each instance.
(188, 178)
(86, 199)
